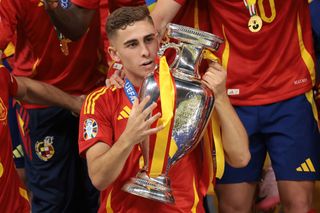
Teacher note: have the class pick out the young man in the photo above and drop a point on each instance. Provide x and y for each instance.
(268, 55)
(13, 196)
(57, 179)
(110, 144)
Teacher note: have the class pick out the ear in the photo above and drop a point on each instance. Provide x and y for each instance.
(114, 54)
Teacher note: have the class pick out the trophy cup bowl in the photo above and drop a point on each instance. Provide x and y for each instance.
(194, 105)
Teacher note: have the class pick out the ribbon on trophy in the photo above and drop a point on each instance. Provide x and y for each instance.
(164, 143)
(216, 130)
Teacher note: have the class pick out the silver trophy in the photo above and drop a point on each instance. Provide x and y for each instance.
(194, 105)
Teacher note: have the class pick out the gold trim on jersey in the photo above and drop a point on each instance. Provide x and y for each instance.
(306, 56)
(23, 193)
(226, 51)
(108, 203)
(89, 106)
(196, 197)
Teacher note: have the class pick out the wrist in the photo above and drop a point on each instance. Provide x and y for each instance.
(221, 99)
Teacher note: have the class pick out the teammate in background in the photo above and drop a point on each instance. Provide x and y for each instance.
(13, 196)
(111, 145)
(268, 55)
(315, 20)
(56, 174)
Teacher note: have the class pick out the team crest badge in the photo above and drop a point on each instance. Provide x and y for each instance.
(44, 149)
(3, 111)
(90, 129)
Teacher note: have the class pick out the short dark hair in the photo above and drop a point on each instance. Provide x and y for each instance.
(125, 16)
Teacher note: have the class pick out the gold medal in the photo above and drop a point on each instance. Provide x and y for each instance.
(64, 46)
(255, 23)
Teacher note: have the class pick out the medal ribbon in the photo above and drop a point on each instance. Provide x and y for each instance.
(130, 91)
(251, 6)
(163, 142)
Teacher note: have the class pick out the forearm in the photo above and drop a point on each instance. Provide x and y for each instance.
(234, 135)
(105, 168)
(36, 92)
(163, 13)
(72, 22)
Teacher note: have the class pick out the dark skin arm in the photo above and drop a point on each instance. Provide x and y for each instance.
(73, 22)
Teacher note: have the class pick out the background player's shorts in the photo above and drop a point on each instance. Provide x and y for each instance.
(289, 132)
(56, 174)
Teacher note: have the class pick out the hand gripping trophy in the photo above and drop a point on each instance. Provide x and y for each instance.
(192, 106)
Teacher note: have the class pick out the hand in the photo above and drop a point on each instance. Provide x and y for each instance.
(215, 79)
(116, 79)
(139, 122)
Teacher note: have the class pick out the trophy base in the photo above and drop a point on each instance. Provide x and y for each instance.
(151, 188)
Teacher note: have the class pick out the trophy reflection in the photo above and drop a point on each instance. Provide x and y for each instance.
(193, 107)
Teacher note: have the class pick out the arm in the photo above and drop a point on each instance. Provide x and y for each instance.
(72, 22)
(234, 136)
(105, 163)
(163, 13)
(32, 91)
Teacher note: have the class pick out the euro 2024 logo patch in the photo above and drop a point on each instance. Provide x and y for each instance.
(44, 149)
(90, 129)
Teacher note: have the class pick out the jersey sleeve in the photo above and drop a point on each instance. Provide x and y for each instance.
(8, 21)
(8, 81)
(95, 121)
(89, 4)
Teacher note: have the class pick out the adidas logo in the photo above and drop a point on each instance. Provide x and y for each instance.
(306, 166)
(18, 152)
(124, 113)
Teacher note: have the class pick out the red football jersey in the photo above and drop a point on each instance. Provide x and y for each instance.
(194, 13)
(13, 196)
(103, 119)
(38, 54)
(273, 64)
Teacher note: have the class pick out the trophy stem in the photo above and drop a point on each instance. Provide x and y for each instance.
(151, 188)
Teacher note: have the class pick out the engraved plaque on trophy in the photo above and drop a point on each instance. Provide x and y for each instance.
(193, 105)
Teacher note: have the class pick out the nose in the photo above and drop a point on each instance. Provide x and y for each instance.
(145, 50)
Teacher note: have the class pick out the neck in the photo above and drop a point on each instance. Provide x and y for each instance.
(135, 81)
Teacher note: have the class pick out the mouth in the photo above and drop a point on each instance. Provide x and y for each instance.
(147, 63)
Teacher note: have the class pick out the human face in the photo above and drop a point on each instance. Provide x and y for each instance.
(136, 48)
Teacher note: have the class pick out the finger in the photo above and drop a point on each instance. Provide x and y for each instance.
(153, 130)
(122, 74)
(135, 104)
(208, 85)
(143, 103)
(115, 83)
(216, 66)
(108, 83)
(147, 111)
(151, 120)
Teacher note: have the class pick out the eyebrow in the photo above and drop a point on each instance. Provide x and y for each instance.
(134, 40)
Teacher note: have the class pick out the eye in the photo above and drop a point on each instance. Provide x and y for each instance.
(149, 39)
(132, 44)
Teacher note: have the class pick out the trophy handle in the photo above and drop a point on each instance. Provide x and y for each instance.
(169, 45)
